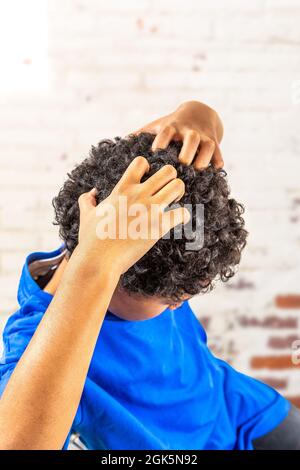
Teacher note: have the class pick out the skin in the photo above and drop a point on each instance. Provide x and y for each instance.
(40, 400)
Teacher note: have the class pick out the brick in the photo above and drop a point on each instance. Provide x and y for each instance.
(288, 301)
(241, 284)
(272, 321)
(272, 362)
(295, 400)
(277, 342)
(205, 321)
(274, 382)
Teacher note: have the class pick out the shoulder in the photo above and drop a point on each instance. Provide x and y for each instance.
(20, 328)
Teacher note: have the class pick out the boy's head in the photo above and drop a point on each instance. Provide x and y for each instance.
(168, 271)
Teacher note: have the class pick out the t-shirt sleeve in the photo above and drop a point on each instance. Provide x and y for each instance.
(17, 334)
(254, 407)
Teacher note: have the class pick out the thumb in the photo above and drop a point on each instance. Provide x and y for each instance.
(87, 201)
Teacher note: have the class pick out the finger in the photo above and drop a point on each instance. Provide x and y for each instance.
(162, 177)
(189, 148)
(163, 138)
(217, 159)
(172, 218)
(134, 172)
(87, 201)
(172, 192)
(205, 154)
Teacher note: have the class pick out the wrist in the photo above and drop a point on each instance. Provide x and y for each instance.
(91, 266)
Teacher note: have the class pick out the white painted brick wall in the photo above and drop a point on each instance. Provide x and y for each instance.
(113, 66)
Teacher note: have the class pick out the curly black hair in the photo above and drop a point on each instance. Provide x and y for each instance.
(168, 270)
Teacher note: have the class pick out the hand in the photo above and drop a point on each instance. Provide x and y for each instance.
(120, 252)
(200, 129)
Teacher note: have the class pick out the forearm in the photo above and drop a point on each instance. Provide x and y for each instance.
(41, 398)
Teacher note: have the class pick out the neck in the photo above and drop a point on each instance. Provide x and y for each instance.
(122, 304)
(135, 307)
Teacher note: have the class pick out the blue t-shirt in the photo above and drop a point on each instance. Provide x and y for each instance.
(152, 384)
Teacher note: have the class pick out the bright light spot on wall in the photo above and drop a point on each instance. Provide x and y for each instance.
(23, 45)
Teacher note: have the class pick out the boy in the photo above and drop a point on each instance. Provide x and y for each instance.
(105, 342)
